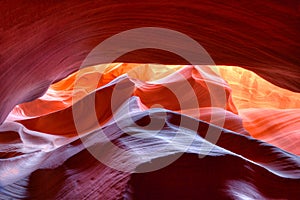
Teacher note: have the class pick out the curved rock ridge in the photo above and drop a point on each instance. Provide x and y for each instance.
(147, 142)
(259, 167)
(145, 78)
(256, 99)
(269, 113)
(248, 89)
(42, 42)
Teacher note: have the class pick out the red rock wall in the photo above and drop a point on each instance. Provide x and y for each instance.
(42, 156)
(44, 41)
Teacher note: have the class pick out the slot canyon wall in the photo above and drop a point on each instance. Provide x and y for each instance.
(256, 154)
(42, 42)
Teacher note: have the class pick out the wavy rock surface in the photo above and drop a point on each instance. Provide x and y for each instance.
(42, 42)
(196, 134)
(42, 145)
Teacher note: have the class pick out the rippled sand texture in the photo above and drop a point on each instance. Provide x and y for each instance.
(42, 155)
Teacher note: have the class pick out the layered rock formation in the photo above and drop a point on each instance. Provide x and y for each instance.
(196, 134)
